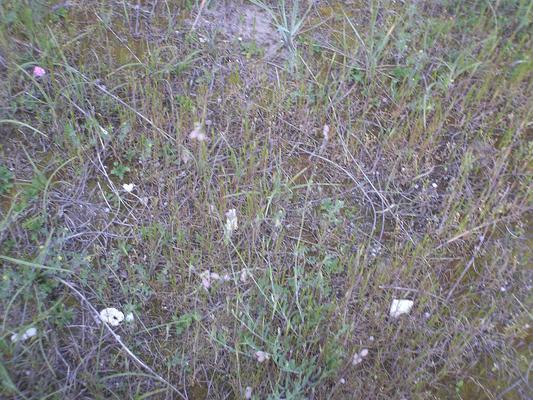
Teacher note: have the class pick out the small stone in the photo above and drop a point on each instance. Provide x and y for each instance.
(248, 393)
(400, 307)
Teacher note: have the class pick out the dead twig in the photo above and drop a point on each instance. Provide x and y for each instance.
(200, 9)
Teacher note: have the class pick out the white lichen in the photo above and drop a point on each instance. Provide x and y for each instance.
(112, 316)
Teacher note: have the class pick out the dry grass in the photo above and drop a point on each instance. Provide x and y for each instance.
(372, 151)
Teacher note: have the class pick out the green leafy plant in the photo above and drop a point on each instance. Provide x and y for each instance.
(6, 180)
(119, 170)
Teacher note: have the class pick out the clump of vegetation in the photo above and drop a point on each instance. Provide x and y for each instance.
(6, 180)
(266, 199)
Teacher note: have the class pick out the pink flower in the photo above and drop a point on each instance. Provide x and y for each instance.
(38, 71)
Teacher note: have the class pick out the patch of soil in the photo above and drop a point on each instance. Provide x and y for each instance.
(245, 23)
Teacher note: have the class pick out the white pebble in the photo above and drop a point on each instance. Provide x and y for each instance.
(400, 306)
(248, 393)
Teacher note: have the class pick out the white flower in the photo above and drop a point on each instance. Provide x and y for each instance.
(248, 393)
(208, 277)
(129, 317)
(30, 332)
(185, 157)
(325, 132)
(244, 275)
(231, 221)
(358, 357)
(261, 356)
(38, 72)
(128, 187)
(112, 316)
(400, 306)
(198, 133)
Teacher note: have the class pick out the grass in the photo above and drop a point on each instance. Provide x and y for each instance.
(382, 152)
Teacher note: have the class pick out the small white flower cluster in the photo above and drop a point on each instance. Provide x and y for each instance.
(114, 317)
(325, 132)
(209, 277)
(325, 139)
(244, 275)
(28, 333)
(198, 133)
(261, 356)
(375, 250)
(231, 222)
(358, 357)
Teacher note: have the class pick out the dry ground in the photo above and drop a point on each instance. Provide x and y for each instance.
(371, 150)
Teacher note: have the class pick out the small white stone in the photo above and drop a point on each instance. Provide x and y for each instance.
(30, 332)
(248, 393)
(129, 317)
(400, 306)
(128, 187)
